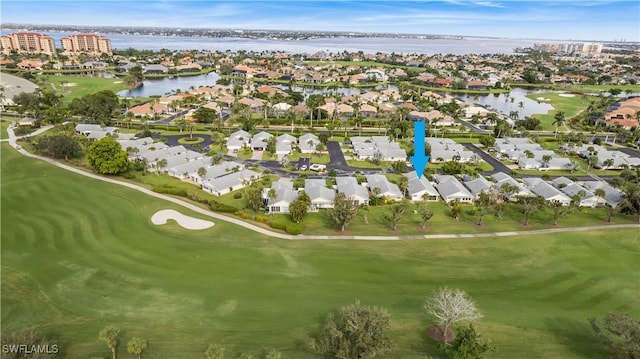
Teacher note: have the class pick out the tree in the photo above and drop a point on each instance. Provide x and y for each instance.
(202, 172)
(483, 203)
(59, 146)
(425, 213)
(456, 209)
(449, 306)
(205, 115)
(559, 210)
(487, 141)
(529, 205)
(254, 198)
(395, 213)
(620, 334)
(98, 107)
(215, 351)
(160, 164)
(109, 335)
(135, 76)
(107, 157)
(467, 345)
(356, 332)
(344, 210)
(136, 346)
(298, 210)
(558, 120)
(630, 204)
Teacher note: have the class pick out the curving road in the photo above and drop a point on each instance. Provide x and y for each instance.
(13, 138)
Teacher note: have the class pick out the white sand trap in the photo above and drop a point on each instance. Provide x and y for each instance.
(567, 95)
(183, 221)
(71, 84)
(542, 99)
(117, 82)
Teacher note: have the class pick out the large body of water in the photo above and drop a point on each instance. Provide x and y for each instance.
(372, 45)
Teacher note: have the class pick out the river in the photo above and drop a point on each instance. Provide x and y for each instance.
(368, 45)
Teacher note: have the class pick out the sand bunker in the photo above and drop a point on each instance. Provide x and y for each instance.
(567, 95)
(117, 82)
(543, 99)
(70, 84)
(183, 221)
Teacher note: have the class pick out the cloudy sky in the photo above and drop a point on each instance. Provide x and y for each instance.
(562, 20)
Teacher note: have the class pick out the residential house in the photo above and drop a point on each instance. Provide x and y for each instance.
(420, 189)
(386, 189)
(284, 195)
(521, 190)
(478, 185)
(321, 196)
(350, 187)
(451, 189)
(231, 182)
(308, 142)
(238, 140)
(260, 140)
(550, 194)
(612, 197)
(572, 189)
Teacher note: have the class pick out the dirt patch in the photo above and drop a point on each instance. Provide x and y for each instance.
(425, 229)
(436, 333)
(394, 231)
(525, 225)
(479, 226)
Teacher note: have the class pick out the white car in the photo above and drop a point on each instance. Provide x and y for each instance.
(303, 168)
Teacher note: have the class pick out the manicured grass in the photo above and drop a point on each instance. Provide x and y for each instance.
(368, 164)
(4, 124)
(582, 88)
(187, 141)
(83, 85)
(91, 257)
(245, 153)
(320, 158)
(571, 106)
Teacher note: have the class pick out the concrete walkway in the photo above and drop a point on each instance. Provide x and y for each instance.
(267, 232)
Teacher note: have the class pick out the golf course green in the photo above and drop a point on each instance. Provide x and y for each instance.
(79, 254)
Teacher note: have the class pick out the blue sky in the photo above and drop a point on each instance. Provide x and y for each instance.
(562, 20)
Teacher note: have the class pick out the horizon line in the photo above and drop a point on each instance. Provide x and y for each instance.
(4, 26)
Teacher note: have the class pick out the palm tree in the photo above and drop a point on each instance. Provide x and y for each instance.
(558, 120)
(110, 336)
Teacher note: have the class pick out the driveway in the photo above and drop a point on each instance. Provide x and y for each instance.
(336, 158)
(497, 165)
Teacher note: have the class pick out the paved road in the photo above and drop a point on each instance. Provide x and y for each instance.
(172, 140)
(337, 160)
(497, 165)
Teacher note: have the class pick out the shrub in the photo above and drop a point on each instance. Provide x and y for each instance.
(278, 225)
(242, 214)
(237, 195)
(221, 207)
(262, 219)
(294, 229)
(170, 190)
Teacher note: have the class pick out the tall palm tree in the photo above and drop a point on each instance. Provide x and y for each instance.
(558, 120)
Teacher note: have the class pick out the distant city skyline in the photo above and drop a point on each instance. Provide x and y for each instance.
(587, 20)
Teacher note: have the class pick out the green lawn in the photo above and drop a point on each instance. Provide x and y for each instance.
(581, 88)
(4, 124)
(78, 86)
(78, 254)
(320, 158)
(571, 106)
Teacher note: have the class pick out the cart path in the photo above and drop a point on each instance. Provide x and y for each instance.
(267, 232)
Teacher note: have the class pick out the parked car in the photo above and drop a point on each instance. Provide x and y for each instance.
(303, 168)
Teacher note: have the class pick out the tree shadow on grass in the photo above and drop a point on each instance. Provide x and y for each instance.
(426, 344)
(576, 336)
